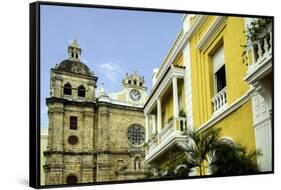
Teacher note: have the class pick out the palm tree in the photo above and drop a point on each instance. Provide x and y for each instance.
(231, 159)
(201, 148)
(207, 151)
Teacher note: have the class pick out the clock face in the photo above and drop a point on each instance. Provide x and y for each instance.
(135, 95)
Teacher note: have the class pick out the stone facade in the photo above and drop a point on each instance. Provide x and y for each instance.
(88, 135)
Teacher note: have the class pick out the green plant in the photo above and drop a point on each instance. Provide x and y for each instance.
(252, 33)
(182, 113)
(233, 159)
(170, 119)
(209, 151)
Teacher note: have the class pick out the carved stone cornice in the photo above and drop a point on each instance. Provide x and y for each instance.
(49, 152)
(68, 102)
(56, 110)
(88, 113)
(53, 166)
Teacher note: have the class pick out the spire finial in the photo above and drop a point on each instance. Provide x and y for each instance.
(74, 51)
(75, 43)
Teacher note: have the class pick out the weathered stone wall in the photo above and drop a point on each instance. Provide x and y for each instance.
(102, 152)
(116, 156)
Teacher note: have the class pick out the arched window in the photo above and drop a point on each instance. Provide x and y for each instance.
(81, 91)
(71, 179)
(137, 164)
(67, 89)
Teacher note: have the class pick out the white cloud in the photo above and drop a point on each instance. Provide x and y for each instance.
(111, 70)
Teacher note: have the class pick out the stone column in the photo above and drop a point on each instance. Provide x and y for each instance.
(159, 117)
(90, 94)
(56, 127)
(88, 130)
(175, 98)
(102, 128)
(153, 124)
(146, 128)
(88, 147)
(58, 87)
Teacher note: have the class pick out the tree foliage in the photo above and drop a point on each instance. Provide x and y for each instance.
(209, 154)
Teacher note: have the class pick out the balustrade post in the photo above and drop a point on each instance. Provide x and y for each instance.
(260, 52)
(265, 46)
(270, 39)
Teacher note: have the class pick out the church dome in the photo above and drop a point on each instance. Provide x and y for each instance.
(73, 63)
(74, 66)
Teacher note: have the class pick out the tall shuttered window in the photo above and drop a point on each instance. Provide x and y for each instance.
(219, 70)
(73, 122)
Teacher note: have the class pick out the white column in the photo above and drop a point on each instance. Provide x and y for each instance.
(146, 127)
(153, 124)
(175, 98)
(159, 115)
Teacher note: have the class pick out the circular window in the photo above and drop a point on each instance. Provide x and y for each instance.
(73, 140)
(72, 179)
(136, 135)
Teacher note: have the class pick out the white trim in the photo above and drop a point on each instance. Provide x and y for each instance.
(178, 47)
(259, 69)
(187, 86)
(107, 99)
(212, 30)
(146, 128)
(175, 97)
(159, 115)
(174, 71)
(173, 139)
(235, 105)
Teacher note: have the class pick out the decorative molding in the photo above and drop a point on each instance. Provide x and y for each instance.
(56, 110)
(212, 30)
(88, 113)
(228, 110)
(174, 139)
(259, 69)
(173, 71)
(177, 48)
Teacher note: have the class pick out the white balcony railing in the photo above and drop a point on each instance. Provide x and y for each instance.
(219, 101)
(174, 127)
(261, 49)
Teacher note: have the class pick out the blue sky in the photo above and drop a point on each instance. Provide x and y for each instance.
(113, 42)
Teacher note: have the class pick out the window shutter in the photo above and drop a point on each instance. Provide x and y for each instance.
(218, 59)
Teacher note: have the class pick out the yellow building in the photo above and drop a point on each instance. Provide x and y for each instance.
(203, 83)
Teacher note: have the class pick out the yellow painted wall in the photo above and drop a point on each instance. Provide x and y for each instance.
(167, 105)
(231, 36)
(238, 126)
(179, 61)
(167, 101)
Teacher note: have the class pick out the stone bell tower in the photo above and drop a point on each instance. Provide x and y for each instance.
(70, 149)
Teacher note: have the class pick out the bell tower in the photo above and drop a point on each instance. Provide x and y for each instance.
(134, 84)
(74, 51)
(70, 147)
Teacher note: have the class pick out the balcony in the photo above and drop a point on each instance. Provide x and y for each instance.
(219, 101)
(170, 135)
(261, 53)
